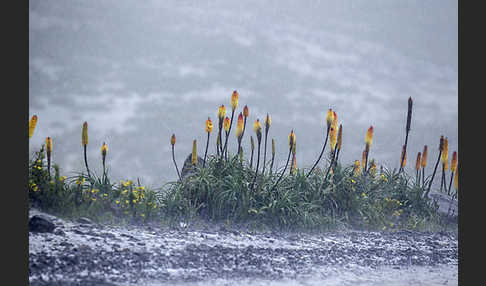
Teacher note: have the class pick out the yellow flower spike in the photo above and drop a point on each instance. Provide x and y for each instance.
(340, 137)
(329, 118)
(48, 146)
(194, 152)
(334, 121)
(209, 125)
(239, 126)
(445, 156)
(294, 147)
(356, 168)
(234, 100)
(173, 139)
(104, 149)
(246, 111)
(84, 135)
(226, 124)
(257, 127)
(32, 124)
(268, 122)
(332, 138)
(418, 161)
(424, 157)
(404, 151)
(446, 165)
(369, 136)
(292, 139)
(454, 162)
(221, 112)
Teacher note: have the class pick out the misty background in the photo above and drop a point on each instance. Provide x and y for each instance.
(139, 71)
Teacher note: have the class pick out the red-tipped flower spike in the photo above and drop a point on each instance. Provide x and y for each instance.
(239, 126)
(173, 139)
(424, 157)
(32, 124)
(221, 112)
(369, 137)
(335, 121)
(234, 100)
(209, 125)
(268, 122)
(418, 161)
(226, 124)
(246, 111)
(454, 161)
(456, 180)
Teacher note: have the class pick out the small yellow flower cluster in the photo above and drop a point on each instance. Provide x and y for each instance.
(62, 178)
(33, 186)
(80, 181)
(383, 178)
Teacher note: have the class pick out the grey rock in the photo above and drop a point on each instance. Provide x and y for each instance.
(84, 220)
(39, 223)
(447, 205)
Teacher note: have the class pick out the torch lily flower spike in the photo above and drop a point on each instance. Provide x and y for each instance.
(234, 104)
(368, 142)
(453, 170)
(172, 142)
(417, 167)
(239, 130)
(246, 113)
(49, 151)
(104, 150)
(32, 124)
(423, 163)
(257, 127)
(339, 142)
(209, 129)
(356, 168)
(268, 122)
(221, 115)
(329, 122)
(84, 142)
(444, 160)
(403, 157)
(194, 152)
(227, 127)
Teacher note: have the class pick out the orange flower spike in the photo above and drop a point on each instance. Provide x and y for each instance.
(332, 138)
(173, 139)
(209, 125)
(226, 124)
(404, 163)
(84, 135)
(32, 124)
(424, 157)
(445, 155)
(418, 161)
(335, 121)
(246, 111)
(329, 118)
(454, 162)
(239, 126)
(194, 152)
(340, 137)
(221, 112)
(48, 146)
(257, 127)
(369, 137)
(292, 139)
(234, 100)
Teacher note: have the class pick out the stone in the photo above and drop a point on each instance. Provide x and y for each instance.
(189, 169)
(38, 223)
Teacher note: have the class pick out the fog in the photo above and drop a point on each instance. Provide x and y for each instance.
(139, 71)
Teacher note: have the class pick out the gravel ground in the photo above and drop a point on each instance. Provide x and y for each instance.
(84, 253)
